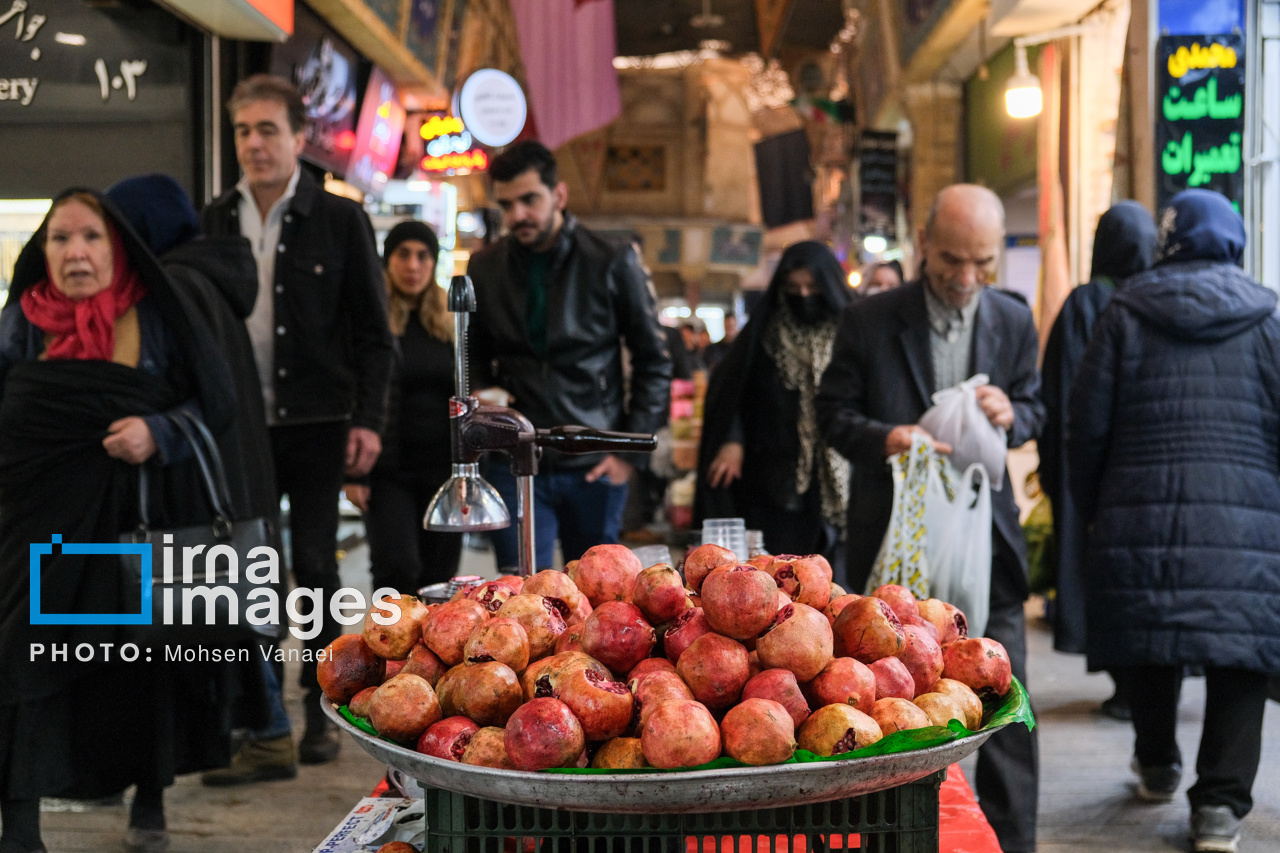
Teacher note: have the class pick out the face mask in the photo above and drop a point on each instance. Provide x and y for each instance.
(807, 309)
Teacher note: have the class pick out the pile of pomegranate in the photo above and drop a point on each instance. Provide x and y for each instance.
(613, 666)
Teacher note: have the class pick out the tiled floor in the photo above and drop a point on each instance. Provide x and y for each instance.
(1087, 802)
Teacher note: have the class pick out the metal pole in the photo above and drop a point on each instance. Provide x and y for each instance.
(526, 543)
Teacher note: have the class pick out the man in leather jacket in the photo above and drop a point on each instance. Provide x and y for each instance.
(324, 354)
(555, 306)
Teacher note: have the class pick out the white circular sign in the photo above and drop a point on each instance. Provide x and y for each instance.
(492, 106)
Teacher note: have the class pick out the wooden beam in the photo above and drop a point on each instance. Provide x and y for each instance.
(771, 19)
(956, 24)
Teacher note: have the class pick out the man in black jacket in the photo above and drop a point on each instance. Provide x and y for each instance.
(892, 352)
(555, 304)
(324, 353)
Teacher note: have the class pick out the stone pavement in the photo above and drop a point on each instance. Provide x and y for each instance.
(1087, 801)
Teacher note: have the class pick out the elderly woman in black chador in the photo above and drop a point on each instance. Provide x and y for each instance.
(96, 353)
(761, 457)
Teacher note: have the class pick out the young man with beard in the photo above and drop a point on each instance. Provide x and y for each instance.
(892, 352)
(556, 305)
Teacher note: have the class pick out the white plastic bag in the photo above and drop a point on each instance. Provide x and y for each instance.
(957, 515)
(903, 557)
(956, 419)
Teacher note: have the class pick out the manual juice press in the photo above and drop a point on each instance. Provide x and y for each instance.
(467, 502)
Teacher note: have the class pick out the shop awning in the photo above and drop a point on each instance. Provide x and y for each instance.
(249, 20)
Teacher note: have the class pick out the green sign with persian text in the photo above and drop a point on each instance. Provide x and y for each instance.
(1200, 115)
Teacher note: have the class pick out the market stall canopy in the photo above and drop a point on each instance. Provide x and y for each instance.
(250, 20)
(759, 26)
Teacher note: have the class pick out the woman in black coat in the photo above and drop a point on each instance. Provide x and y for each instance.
(1124, 245)
(1174, 441)
(416, 459)
(760, 456)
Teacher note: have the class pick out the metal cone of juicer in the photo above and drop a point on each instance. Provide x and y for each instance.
(467, 501)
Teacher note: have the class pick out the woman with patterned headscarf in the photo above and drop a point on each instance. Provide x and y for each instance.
(1173, 437)
(761, 457)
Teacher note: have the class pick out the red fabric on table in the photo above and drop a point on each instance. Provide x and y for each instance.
(962, 828)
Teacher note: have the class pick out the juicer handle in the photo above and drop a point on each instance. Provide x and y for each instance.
(580, 439)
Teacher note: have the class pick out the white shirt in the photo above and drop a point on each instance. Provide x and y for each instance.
(265, 237)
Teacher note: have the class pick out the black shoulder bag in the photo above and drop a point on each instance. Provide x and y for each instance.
(209, 608)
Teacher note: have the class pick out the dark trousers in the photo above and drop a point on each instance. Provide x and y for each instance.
(1230, 743)
(1007, 781)
(310, 459)
(566, 506)
(402, 555)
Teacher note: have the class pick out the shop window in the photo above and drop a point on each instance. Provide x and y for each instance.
(636, 168)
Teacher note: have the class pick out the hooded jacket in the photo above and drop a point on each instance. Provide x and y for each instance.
(1174, 437)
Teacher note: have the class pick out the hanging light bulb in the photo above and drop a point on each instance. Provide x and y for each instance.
(1022, 97)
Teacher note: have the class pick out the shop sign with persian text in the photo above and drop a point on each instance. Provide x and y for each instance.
(1200, 115)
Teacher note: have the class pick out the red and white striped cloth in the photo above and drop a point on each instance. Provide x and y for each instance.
(568, 48)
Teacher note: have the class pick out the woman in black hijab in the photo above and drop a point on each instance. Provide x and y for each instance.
(761, 457)
(1124, 245)
(96, 352)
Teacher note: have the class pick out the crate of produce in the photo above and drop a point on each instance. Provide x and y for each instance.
(903, 819)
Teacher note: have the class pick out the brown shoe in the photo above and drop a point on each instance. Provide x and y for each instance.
(257, 761)
(319, 744)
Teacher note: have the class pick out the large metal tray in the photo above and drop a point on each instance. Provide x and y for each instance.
(729, 789)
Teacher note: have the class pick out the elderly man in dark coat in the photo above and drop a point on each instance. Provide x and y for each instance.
(892, 352)
(1124, 245)
(1174, 437)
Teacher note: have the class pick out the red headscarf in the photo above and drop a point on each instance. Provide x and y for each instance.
(84, 328)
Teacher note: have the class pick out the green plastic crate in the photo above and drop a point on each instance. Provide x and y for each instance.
(900, 820)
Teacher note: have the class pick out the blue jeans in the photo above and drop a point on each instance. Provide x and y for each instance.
(278, 725)
(566, 506)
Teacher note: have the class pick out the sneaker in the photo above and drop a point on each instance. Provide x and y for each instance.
(146, 840)
(1214, 828)
(1157, 784)
(257, 761)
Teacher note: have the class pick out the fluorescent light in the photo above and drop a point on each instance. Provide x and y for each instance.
(1022, 97)
(875, 244)
(418, 186)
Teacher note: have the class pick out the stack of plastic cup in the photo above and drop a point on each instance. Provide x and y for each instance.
(651, 555)
(728, 533)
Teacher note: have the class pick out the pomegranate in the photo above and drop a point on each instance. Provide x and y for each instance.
(758, 731)
(899, 598)
(780, 686)
(603, 707)
(446, 629)
(947, 618)
(981, 663)
(541, 618)
(963, 696)
(606, 573)
(760, 561)
(348, 667)
(920, 622)
(650, 665)
(620, 753)
(843, 681)
(487, 748)
(939, 708)
(837, 729)
(783, 599)
(699, 562)
(544, 733)
(580, 613)
(445, 686)
(689, 626)
(394, 641)
(802, 578)
(617, 635)
(514, 581)
(715, 668)
(402, 708)
(892, 679)
(570, 640)
(424, 662)
(653, 688)
(922, 658)
(394, 667)
(753, 664)
(739, 602)
(448, 738)
(837, 591)
(397, 847)
(893, 714)
(486, 692)
(359, 704)
(680, 733)
(799, 639)
(835, 605)
(491, 595)
(660, 594)
(554, 584)
(540, 678)
(868, 630)
(499, 639)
